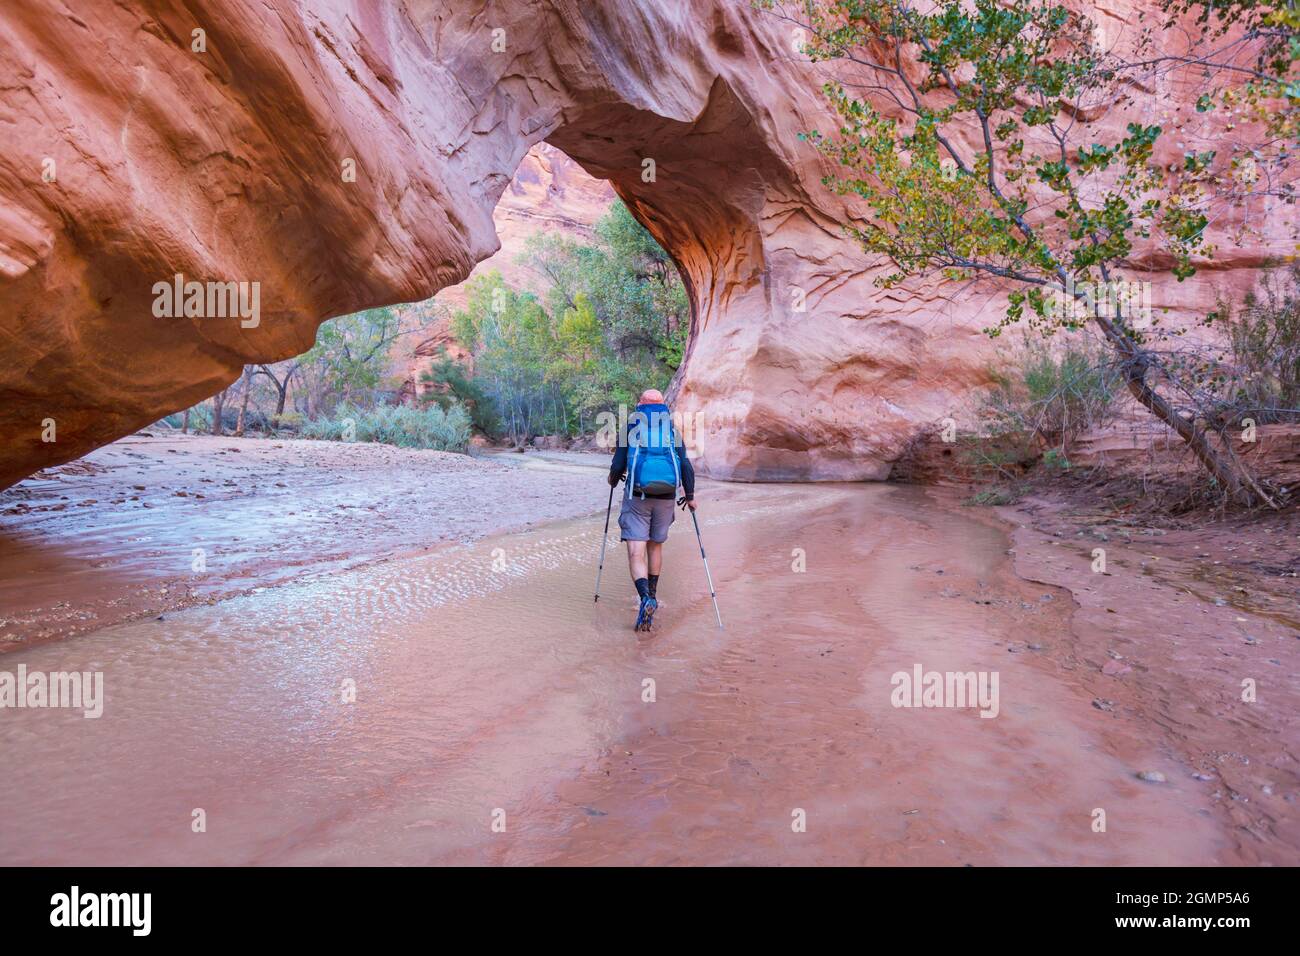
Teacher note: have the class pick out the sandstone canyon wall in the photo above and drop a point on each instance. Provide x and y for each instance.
(130, 156)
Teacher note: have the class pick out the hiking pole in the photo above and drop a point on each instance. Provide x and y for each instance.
(706, 567)
(604, 540)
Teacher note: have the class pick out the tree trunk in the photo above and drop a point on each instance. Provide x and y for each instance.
(1237, 485)
(185, 422)
(243, 407)
(281, 388)
(1197, 439)
(218, 406)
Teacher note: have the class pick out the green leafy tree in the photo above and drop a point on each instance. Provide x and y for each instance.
(617, 308)
(350, 359)
(454, 385)
(610, 322)
(512, 339)
(964, 131)
(645, 297)
(630, 280)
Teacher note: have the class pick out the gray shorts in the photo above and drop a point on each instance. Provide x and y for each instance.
(646, 519)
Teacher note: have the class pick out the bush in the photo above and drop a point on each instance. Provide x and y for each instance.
(995, 496)
(453, 385)
(1260, 376)
(1053, 396)
(200, 419)
(399, 425)
(1032, 415)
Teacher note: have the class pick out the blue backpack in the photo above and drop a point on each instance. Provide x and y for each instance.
(653, 468)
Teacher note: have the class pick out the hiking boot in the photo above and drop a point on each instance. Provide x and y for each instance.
(646, 614)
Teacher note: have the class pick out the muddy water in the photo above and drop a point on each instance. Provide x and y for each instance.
(489, 689)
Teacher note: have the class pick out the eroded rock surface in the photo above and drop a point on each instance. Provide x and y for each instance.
(137, 148)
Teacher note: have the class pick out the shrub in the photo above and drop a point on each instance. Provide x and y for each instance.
(453, 385)
(1260, 375)
(399, 425)
(200, 419)
(1052, 396)
(996, 495)
(1033, 413)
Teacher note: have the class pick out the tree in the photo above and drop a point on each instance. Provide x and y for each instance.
(247, 383)
(280, 381)
(510, 335)
(351, 354)
(452, 384)
(965, 130)
(630, 281)
(609, 322)
(218, 408)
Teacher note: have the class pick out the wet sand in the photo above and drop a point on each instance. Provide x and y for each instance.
(113, 537)
(490, 690)
(1166, 637)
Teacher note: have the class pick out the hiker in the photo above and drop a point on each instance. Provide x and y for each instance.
(658, 466)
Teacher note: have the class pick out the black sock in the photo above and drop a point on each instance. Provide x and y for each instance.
(643, 587)
(654, 584)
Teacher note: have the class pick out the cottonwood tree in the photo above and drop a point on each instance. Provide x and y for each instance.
(509, 334)
(630, 281)
(352, 352)
(281, 375)
(1244, 55)
(970, 129)
(218, 411)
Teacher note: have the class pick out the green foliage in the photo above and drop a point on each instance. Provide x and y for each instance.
(1054, 460)
(200, 418)
(1051, 396)
(965, 131)
(1275, 22)
(452, 385)
(1265, 337)
(996, 495)
(631, 283)
(513, 341)
(290, 420)
(351, 354)
(399, 425)
(639, 291)
(1259, 378)
(1032, 414)
(1008, 71)
(611, 322)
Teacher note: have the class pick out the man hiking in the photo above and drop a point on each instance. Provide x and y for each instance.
(654, 459)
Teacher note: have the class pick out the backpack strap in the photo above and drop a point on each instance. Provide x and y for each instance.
(672, 451)
(631, 471)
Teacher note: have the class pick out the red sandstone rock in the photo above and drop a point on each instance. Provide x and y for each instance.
(231, 165)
